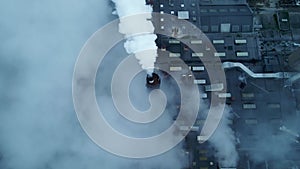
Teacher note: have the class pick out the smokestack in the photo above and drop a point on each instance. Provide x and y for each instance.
(152, 80)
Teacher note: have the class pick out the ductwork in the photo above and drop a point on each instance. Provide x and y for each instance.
(279, 75)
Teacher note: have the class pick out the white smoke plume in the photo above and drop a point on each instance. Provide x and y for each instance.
(224, 142)
(138, 31)
(279, 147)
(38, 125)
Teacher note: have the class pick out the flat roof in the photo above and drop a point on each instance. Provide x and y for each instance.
(222, 2)
(225, 10)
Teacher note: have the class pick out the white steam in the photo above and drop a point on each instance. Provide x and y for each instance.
(224, 142)
(138, 31)
(38, 125)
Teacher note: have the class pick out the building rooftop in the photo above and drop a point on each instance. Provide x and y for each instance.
(222, 2)
(261, 106)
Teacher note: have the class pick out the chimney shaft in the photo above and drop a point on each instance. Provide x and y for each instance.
(153, 81)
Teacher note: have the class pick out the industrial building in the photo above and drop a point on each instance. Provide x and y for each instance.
(262, 78)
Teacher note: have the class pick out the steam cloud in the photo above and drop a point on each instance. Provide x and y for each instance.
(38, 126)
(138, 31)
(224, 142)
(269, 147)
(275, 145)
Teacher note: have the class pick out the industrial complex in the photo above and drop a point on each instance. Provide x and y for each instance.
(258, 45)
